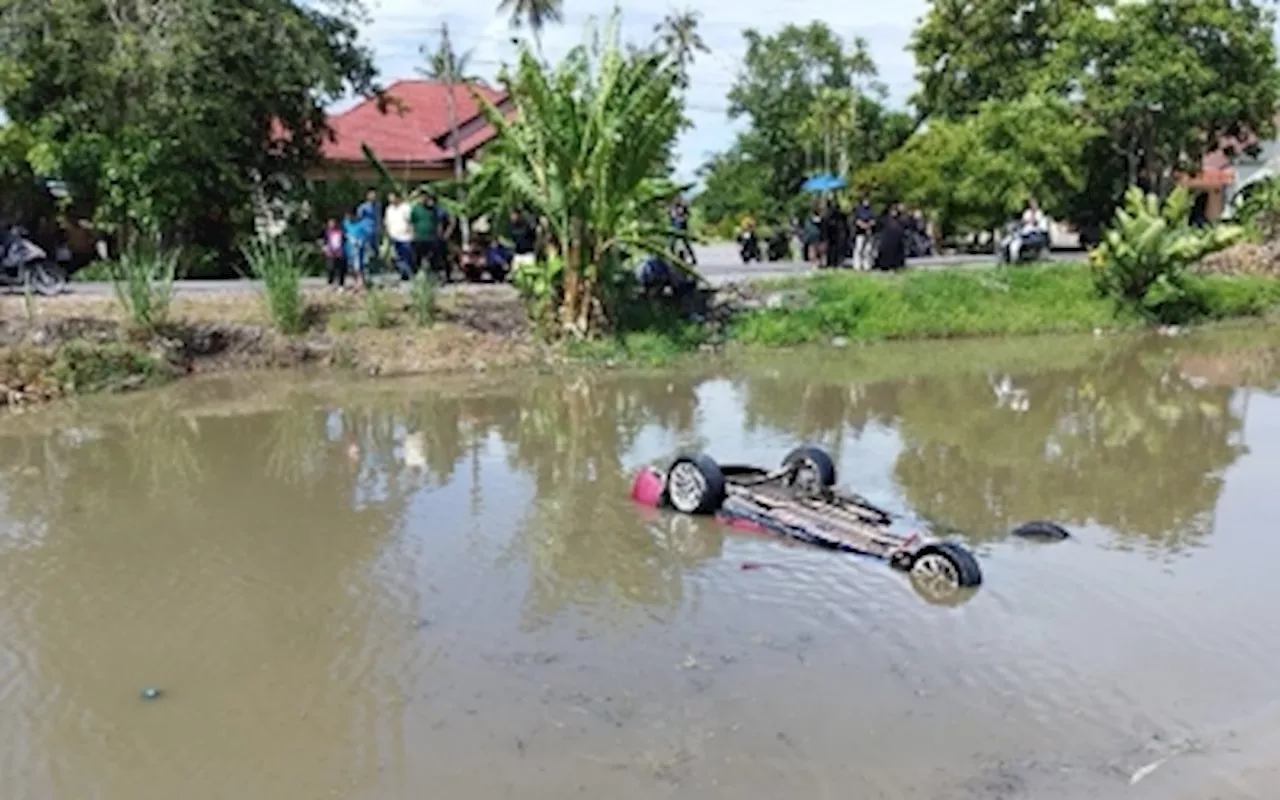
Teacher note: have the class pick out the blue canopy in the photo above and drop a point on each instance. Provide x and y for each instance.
(823, 183)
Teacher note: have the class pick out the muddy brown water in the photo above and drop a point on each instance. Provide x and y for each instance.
(396, 590)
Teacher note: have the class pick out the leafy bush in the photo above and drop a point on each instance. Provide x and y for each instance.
(538, 284)
(1145, 252)
(280, 265)
(143, 282)
(1259, 209)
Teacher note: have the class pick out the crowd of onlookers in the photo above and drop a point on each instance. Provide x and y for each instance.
(412, 234)
(831, 236)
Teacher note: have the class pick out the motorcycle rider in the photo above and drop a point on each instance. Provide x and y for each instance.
(748, 243)
(1032, 230)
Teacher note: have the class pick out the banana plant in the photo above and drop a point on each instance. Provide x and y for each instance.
(586, 154)
(384, 174)
(1146, 250)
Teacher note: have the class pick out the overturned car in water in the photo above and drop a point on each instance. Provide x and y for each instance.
(800, 501)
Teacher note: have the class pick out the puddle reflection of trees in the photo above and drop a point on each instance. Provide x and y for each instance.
(1127, 442)
(584, 543)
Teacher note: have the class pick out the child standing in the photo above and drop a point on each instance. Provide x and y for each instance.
(356, 240)
(335, 257)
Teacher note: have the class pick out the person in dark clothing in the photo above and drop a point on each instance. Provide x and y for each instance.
(811, 234)
(893, 245)
(680, 246)
(432, 227)
(524, 234)
(864, 223)
(835, 234)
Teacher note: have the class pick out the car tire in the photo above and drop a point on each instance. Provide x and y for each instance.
(810, 466)
(946, 565)
(694, 485)
(1042, 530)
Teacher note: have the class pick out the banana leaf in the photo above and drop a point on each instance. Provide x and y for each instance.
(383, 173)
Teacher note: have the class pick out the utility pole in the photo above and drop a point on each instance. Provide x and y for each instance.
(453, 78)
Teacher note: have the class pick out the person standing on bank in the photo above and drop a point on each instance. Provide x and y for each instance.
(864, 223)
(892, 254)
(400, 232)
(836, 234)
(431, 230)
(335, 257)
(524, 238)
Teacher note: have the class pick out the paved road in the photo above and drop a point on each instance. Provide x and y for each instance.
(718, 262)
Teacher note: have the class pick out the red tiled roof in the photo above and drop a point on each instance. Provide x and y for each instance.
(1215, 167)
(417, 131)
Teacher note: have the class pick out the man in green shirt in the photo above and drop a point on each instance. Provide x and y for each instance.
(431, 230)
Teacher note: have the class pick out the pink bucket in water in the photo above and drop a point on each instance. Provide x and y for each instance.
(647, 487)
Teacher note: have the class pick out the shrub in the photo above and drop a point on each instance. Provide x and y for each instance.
(1142, 260)
(280, 265)
(84, 367)
(377, 308)
(143, 283)
(538, 284)
(1259, 209)
(422, 298)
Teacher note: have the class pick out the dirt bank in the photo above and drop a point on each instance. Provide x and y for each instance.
(53, 346)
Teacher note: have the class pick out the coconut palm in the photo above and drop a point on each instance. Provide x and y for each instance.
(586, 153)
(678, 35)
(535, 14)
(444, 63)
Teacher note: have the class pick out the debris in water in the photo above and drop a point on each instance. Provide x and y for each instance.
(1147, 770)
(150, 693)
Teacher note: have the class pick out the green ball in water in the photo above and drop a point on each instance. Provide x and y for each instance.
(150, 693)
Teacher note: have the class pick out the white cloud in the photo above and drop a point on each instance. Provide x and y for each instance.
(398, 28)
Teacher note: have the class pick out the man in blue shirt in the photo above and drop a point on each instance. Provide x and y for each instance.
(864, 222)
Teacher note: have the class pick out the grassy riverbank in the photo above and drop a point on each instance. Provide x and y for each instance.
(974, 302)
(77, 344)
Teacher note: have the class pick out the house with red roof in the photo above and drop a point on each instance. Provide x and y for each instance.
(409, 131)
(1228, 171)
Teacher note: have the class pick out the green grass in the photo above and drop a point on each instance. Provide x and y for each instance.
(648, 334)
(953, 303)
(280, 266)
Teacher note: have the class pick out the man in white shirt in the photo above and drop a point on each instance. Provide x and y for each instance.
(400, 231)
(1033, 230)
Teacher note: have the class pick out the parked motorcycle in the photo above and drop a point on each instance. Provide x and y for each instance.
(26, 264)
(1033, 248)
(748, 246)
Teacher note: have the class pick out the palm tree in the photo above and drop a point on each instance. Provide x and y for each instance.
(443, 63)
(533, 13)
(678, 35)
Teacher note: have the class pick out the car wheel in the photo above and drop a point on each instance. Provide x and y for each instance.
(941, 570)
(1041, 530)
(695, 485)
(811, 468)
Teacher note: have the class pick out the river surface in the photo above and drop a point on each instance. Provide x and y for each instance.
(393, 590)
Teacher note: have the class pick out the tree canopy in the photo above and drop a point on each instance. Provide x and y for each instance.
(1160, 83)
(803, 91)
(173, 117)
(974, 172)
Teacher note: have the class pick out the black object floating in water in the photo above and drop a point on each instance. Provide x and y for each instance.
(1042, 530)
(150, 693)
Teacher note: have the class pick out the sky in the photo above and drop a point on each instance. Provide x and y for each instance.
(396, 29)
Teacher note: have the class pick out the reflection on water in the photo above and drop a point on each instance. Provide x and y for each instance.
(359, 591)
